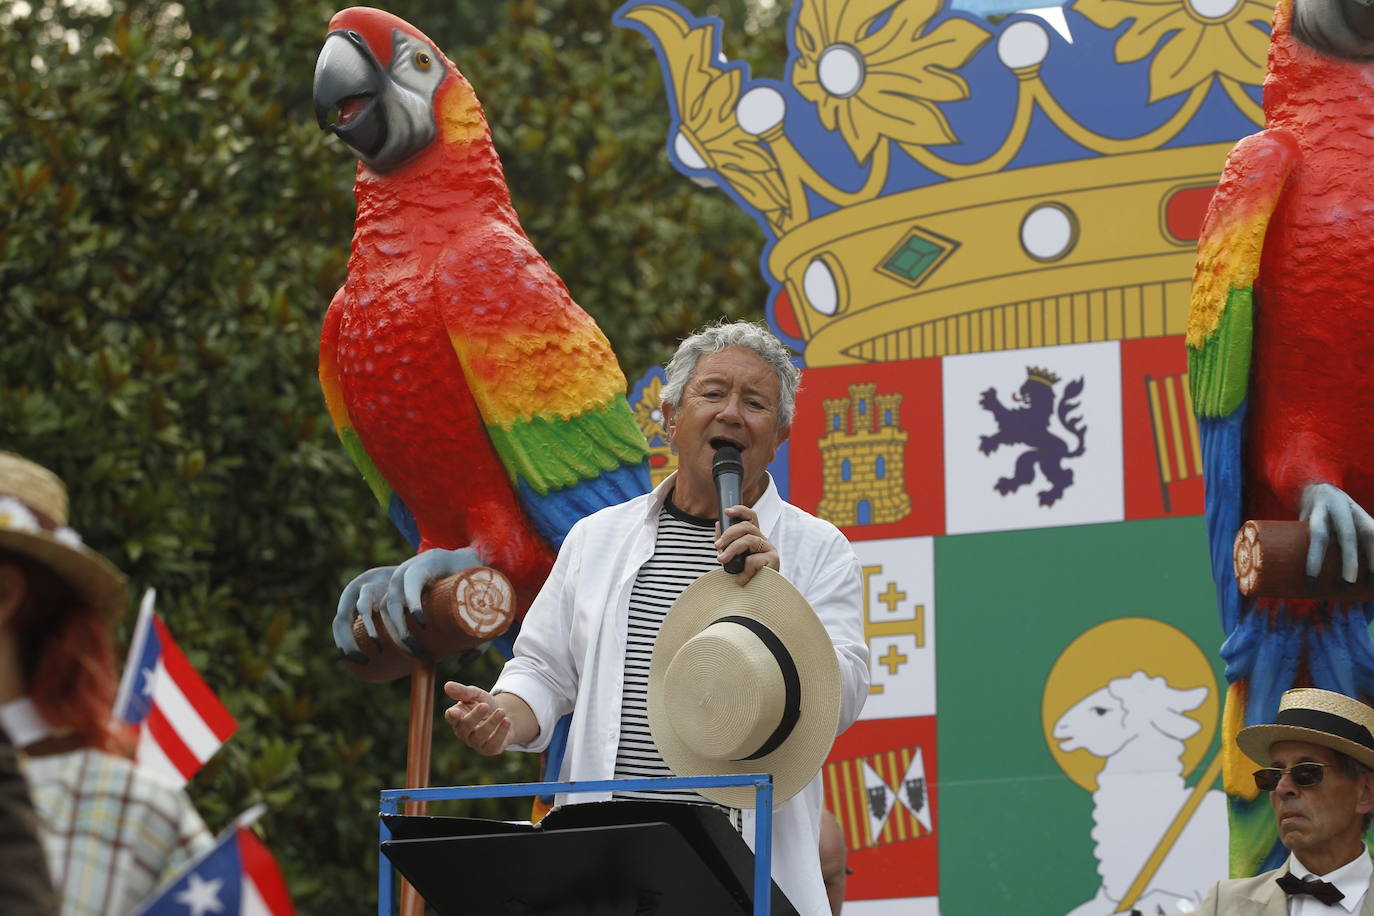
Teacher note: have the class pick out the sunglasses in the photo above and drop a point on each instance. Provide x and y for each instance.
(1304, 775)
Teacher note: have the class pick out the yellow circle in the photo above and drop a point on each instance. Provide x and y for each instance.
(1119, 648)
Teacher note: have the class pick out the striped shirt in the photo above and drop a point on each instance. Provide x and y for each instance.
(684, 551)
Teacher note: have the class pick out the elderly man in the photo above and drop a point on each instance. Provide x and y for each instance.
(587, 639)
(1317, 759)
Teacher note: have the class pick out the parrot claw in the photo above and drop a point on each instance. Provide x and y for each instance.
(357, 599)
(407, 584)
(1332, 514)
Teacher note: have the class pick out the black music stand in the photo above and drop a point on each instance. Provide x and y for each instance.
(616, 858)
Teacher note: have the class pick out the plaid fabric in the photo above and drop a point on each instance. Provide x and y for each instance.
(112, 832)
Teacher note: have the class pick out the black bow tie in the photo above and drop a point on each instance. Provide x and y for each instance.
(1322, 890)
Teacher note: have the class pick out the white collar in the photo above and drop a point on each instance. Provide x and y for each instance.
(21, 721)
(1351, 879)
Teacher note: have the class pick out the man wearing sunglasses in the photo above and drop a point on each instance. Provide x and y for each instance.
(1317, 764)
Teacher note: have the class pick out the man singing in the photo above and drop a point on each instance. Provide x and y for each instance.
(586, 642)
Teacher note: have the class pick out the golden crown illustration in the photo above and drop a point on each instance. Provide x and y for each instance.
(931, 183)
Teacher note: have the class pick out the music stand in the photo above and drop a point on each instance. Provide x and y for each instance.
(667, 838)
(616, 856)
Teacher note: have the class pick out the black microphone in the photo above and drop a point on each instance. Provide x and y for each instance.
(728, 469)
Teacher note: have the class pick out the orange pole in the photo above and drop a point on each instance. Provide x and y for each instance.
(417, 759)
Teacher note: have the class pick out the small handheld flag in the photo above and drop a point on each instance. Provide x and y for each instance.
(238, 877)
(180, 721)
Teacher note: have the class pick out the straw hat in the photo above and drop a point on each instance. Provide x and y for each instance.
(1317, 717)
(743, 679)
(33, 522)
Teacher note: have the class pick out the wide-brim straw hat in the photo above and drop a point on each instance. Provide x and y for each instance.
(33, 522)
(1318, 717)
(743, 679)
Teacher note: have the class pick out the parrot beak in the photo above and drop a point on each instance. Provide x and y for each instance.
(349, 79)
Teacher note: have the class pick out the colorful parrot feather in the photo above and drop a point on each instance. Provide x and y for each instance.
(546, 382)
(1221, 332)
(332, 387)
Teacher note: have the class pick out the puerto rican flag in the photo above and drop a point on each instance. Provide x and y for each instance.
(180, 721)
(238, 877)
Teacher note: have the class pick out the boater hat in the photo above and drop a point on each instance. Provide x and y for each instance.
(743, 679)
(1317, 717)
(33, 522)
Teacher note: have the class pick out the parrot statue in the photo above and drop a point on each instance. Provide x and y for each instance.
(484, 408)
(1277, 361)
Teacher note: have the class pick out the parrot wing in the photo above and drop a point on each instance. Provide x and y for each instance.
(546, 382)
(1221, 332)
(330, 383)
(1220, 346)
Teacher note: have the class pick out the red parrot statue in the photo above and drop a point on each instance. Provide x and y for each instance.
(483, 406)
(1282, 289)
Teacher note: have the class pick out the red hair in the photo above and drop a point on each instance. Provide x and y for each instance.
(66, 653)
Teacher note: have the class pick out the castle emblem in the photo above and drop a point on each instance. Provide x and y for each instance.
(862, 459)
(1029, 424)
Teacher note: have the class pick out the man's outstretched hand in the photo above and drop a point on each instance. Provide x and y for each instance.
(488, 724)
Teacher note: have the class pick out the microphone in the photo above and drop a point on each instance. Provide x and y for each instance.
(727, 468)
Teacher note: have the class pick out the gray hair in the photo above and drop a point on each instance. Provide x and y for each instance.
(722, 336)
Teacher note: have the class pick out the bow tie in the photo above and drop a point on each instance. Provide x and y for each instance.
(1322, 890)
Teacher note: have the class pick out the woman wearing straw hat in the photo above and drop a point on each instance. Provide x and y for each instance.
(111, 832)
(671, 666)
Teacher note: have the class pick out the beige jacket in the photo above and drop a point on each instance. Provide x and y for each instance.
(1259, 896)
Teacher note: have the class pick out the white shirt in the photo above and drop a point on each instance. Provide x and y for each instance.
(570, 654)
(1351, 879)
(21, 721)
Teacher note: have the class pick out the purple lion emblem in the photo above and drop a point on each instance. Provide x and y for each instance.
(1029, 425)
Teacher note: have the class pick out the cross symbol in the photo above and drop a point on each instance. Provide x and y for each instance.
(890, 597)
(893, 659)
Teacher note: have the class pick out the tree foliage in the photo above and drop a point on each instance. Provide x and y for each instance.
(176, 224)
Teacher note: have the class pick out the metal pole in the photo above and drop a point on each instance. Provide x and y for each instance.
(386, 878)
(763, 846)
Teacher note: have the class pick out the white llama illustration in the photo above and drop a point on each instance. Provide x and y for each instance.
(1137, 724)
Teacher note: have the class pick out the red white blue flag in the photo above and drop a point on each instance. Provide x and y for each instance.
(180, 721)
(238, 877)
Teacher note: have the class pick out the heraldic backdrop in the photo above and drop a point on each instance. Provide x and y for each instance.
(980, 237)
